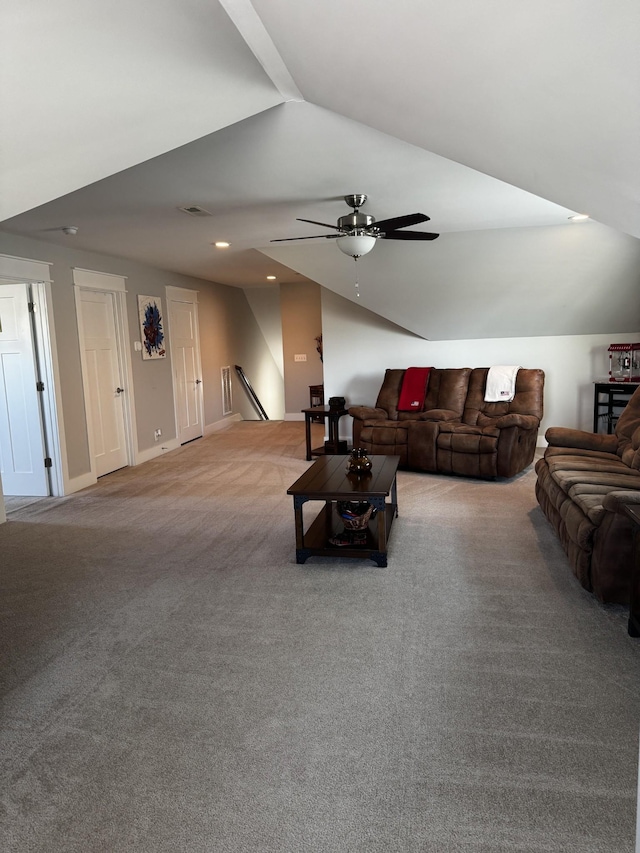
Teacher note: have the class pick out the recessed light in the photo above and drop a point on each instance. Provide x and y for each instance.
(271, 278)
(579, 217)
(221, 244)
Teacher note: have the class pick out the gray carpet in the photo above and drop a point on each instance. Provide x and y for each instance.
(173, 681)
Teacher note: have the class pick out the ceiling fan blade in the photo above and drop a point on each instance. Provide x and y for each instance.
(315, 237)
(401, 221)
(324, 224)
(409, 235)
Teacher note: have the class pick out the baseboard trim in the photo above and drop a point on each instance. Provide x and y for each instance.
(76, 484)
(153, 452)
(223, 424)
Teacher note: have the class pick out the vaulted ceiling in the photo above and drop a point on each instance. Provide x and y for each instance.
(497, 119)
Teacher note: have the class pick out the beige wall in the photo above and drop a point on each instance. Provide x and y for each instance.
(301, 322)
(228, 331)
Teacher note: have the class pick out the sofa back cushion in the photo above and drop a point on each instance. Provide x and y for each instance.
(528, 399)
(447, 389)
(389, 393)
(627, 432)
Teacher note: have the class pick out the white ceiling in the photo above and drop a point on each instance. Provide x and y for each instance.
(485, 116)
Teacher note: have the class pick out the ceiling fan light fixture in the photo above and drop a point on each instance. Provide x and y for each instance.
(356, 245)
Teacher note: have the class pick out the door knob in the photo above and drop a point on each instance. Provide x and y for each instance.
(119, 390)
(198, 381)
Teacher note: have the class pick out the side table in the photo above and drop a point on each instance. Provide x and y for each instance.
(616, 396)
(632, 511)
(333, 445)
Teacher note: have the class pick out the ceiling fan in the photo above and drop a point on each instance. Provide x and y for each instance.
(357, 232)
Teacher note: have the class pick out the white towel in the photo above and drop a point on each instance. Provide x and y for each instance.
(501, 383)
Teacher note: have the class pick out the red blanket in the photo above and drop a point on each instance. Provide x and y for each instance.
(414, 389)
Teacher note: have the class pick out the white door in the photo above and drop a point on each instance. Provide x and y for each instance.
(185, 359)
(103, 382)
(22, 447)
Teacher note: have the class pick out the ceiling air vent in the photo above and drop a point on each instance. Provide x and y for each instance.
(195, 210)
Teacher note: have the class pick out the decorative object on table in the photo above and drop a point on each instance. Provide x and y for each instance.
(355, 516)
(151, 329)
(336, 402)
(624, 362)
(359, 462)
(319, 345)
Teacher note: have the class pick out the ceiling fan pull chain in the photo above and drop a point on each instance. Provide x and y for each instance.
(357, 282)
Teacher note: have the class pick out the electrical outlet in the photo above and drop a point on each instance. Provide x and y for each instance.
(157, 434)
(300, 357)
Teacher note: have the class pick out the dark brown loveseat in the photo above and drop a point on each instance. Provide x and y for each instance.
(584, 481)
(456, 431)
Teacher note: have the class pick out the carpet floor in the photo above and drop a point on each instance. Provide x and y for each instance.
(173, 682)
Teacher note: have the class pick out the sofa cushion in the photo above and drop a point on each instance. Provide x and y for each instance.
(447, 389)
(575, 452)
(578, 439)
(567, 478)
(579, 526)
(390, 392)
(527, 400)
(611, 465)
(367, 413)
(467, 429)
(386, 438)
(438, 415)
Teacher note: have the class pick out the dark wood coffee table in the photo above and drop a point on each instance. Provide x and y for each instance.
(327, 480)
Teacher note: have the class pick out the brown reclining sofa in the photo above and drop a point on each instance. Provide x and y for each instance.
(456, 431)
(584, 481)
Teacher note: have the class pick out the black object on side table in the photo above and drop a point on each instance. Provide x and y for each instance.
(632, 511)
(332, 415)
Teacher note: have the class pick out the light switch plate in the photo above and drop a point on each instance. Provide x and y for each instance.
(300, 357)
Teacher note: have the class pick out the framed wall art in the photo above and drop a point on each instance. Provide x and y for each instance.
(151, 327)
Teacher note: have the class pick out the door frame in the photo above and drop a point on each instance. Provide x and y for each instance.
(36, 274)
(184, 294)
(84, 280)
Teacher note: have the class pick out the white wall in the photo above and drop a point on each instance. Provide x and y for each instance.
(265, 305)
(359, 346)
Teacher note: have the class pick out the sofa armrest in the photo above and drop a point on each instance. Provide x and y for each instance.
(565, 437)
(438, 415)
(511, 419)
(616, 501)
(363, 413)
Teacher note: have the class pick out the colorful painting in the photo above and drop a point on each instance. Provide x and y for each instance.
(150, 311)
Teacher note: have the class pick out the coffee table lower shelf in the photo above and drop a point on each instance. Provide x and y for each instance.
(315, 541)
(329, 481)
